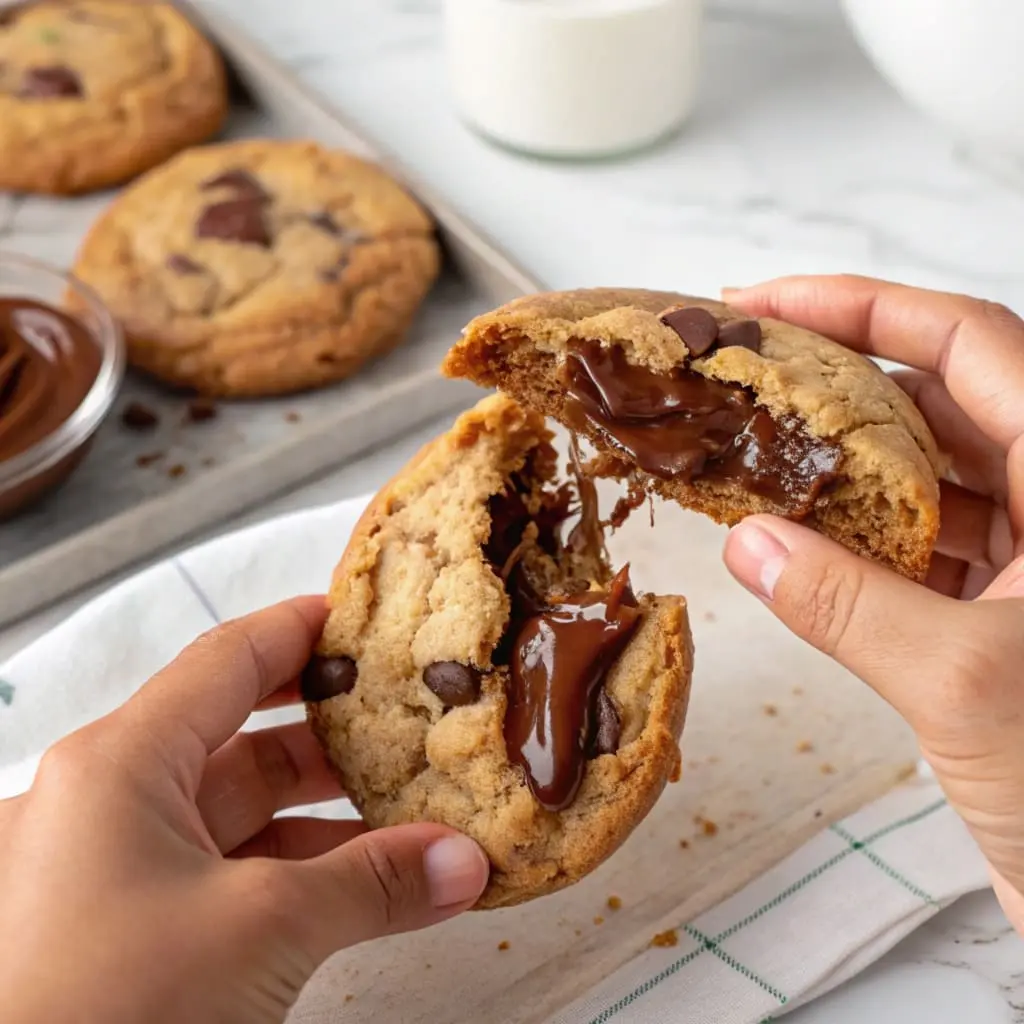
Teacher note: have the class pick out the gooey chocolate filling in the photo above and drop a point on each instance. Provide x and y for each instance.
(559, 661)
(683, 425)
(558, 652)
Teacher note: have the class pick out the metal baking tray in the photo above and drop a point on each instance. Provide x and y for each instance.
(137, 492)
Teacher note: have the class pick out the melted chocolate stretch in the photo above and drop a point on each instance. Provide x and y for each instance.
(48, 363)
(557, 653)
(684, 425)
(559, 660)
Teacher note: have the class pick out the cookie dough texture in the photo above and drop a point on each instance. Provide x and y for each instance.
(94, 92)
(314, 262)
(414, 588)
(886, 502)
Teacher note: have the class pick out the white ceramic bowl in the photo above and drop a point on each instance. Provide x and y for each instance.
(961, 62)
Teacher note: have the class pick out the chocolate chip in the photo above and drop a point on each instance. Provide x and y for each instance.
(8, 14)
(181, 264)
(234, 220)
(609, 728)
(137, 416)
(742, 333)
(696, 326)
(49, 83)
(454, 684)
(323, 678)
(242, 183)
(200, 410)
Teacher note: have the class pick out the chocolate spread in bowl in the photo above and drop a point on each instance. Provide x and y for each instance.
(48, 364)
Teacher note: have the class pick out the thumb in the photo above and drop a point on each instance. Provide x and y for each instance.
(871, 620)
(386, 881)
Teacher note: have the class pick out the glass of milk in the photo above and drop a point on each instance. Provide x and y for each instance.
(573, 79)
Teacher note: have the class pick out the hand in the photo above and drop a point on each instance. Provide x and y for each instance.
(144, 876)
(948, 656)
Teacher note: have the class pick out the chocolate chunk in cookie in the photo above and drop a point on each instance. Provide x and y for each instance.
(235, 220)
(608, 727)
(49, 83)
(744, 333)
(327, 677)
(453, 684)
(688, 400)
(696, 326)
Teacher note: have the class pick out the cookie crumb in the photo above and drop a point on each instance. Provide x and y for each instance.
(666, 939)
(771, 710)
(176, 470)
(614, 903)
(798, 691)
(827, 769)
(200, 410)
(147, 459)
(292, 417)
(599, 920)
(577, 932)
(804, 747)
(817, 814)
(503, 945)
(136, 416)
(710, 617)
(684, 844)
(708, 827)
(209, 461)
(349, 998)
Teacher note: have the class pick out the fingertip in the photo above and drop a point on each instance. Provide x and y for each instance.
(756, 556)
(457, 871)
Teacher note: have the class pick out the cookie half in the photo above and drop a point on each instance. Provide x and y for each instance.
(691, 400)
(94, 92)
(261, 267)
(483, 667)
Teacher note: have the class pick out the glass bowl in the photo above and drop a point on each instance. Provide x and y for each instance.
(27, 475)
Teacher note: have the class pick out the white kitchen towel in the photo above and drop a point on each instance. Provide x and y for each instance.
(813, 920)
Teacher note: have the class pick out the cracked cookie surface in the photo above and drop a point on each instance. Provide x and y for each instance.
(93, 92)
(412, 709)
(881, 496)
(261, 267)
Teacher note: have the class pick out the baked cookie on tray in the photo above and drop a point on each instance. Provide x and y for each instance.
(93, 92)
(261, 267)
(691, 400)
(482, 665)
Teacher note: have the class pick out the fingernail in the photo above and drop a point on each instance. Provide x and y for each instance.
(731, 289)
(456, 870)
(756, 558)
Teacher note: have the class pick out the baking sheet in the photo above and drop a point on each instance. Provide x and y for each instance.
(140, 490)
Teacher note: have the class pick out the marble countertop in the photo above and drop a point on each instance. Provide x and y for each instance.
(799, 159)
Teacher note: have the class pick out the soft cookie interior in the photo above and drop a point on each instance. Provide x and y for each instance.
(689, 400)
(473, 581)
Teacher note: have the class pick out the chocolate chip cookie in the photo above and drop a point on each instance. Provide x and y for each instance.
(93, 92)
(482, 665)
(261, 267)
(688, 399)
